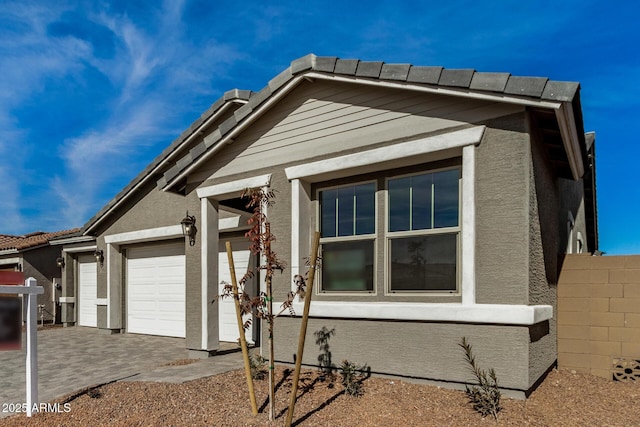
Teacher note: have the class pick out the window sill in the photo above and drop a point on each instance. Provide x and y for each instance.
(501, 314)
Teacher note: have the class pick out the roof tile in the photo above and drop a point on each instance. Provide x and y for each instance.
(560, 91)
(236, 94)
(429, 75)
(305, 63)
(346, 66)
(395, 72)
(227, 125)
(369, 69)
(326, 64)
(278, 81)
(456, 77)
(171, 173)
(31, 240)
(494, 82)
(259, 97)
(526, 86)
(242, 112)
(184, 161)
(212, 138)
(198, 150)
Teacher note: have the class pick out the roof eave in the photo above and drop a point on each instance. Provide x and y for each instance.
(310, 75)
(94, 223)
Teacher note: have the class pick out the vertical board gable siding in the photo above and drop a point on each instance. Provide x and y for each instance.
(326, 118)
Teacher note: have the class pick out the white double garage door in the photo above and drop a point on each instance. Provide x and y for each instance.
(155, 291)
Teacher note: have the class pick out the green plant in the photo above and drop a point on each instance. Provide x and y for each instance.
(485, 396)
(352, 377)
(324, 358)
(258, 365)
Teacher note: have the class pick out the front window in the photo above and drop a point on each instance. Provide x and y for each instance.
(420, 242)
(347, 229)
(423, 229)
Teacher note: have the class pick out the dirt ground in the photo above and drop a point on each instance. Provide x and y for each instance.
(565, 398)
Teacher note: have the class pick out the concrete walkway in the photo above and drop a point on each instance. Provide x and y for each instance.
(70, 359)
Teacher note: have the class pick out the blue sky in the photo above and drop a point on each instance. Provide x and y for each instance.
(92, 91)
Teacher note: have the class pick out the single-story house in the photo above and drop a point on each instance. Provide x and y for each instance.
(35, 257)
(445, 198)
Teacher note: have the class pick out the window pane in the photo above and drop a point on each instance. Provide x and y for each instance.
(365, 209)
(399, 204)
(347, 266)
(328, 211)
(446, 198)
(421, 202)
(424, 263)
(345, 211)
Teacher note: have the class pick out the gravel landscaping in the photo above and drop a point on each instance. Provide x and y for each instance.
(565, 398)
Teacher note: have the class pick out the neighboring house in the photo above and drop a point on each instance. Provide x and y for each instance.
(446, 200)
(33, 255)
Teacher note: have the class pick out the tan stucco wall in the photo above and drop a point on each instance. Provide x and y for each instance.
(598, 313)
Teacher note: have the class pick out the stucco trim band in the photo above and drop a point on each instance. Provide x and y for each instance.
(233, 188)
(147, 235)
(500, 314)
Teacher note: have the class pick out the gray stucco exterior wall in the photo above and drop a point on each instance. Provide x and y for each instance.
(502, 213)
(426, 351)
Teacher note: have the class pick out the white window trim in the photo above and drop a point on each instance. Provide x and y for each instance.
(466, 311)
(408, 153)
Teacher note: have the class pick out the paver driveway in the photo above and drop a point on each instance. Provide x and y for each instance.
(73, 358)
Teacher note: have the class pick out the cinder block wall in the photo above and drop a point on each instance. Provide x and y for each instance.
(599, 314)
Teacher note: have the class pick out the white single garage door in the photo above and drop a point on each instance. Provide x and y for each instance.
(156, 290)
(243, 259)
(87, 291)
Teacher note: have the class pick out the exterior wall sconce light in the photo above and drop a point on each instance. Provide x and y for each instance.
(189, 228)
(60, 262)
(99, 257)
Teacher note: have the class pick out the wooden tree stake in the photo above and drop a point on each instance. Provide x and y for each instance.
(303, 327)
(243, 339)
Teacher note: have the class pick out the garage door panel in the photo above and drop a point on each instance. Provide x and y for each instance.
(87, 310)
(156, 290)
(243, 260)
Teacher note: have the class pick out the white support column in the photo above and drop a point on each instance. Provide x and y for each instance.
(209, 285)
(301, 211)
(468, 261)
(32, 346)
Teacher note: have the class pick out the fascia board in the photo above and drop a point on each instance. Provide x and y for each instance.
(570, 139)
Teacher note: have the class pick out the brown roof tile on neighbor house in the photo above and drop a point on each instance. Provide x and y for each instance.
(30, 240)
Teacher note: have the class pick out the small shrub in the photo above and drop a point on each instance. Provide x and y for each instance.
(485, 396)
(352, 377)
(258, 365)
